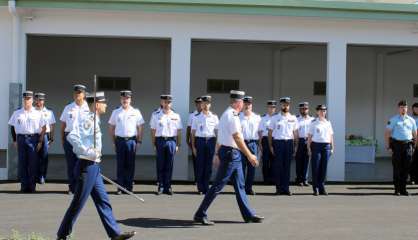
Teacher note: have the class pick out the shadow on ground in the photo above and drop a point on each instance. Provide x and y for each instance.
(165, 223)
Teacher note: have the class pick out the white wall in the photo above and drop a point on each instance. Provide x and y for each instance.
(56, 63)
(254, 64)
(5, 71)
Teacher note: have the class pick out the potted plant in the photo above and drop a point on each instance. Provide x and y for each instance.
(360, 149)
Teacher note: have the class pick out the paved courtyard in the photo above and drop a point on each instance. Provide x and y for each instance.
(350, 212)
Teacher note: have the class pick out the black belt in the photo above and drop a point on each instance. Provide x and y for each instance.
(125, 138)
(252, 140)
(402, 142)
(167, 138)
(28, 135)
(228, 147)
(206, 138)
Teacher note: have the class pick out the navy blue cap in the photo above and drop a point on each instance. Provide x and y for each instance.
(285, 100)
(27, 94)
(40, 96)
(272, 103)
(79, 88)
(303, 104)
(248, 99)
(126, 93)
(206, 98)
(100, 97)
(198, 100)
(235, 94)
(321, 107)
(166, 97)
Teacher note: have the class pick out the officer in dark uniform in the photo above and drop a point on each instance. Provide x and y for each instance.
(28, 129)
(400, 137)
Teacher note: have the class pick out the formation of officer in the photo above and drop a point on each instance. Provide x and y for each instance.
(166, 130)
(283, 137)
(203, 136)
(320, 147)
(400, 139)
(126, 129)
(250, 123)
(266, 154)
(28, 130)
(85, 138)
(302, 156)
(198, 106)
(69, 117)
(230, 145)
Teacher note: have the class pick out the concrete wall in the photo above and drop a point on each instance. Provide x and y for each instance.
(56, 63)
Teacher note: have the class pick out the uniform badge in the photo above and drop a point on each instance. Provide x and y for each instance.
(70, 115)
(19, 121)
(87, 125)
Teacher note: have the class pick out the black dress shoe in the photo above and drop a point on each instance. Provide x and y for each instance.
(306, 184)
(169, 192)
(125, 235)
(404, 193)
(315, 193)
(324, 193)
(288, 193)
(300, 184)
(397, 193)
(254, 219)
(159, 191)
(203, 220)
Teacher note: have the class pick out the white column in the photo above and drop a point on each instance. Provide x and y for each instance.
(336, 101)
(180, 89)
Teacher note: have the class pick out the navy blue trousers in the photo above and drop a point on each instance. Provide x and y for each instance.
(166, 149)
(205, 149)
(71, 159)
(319, 163)
(283, 151)
(43, 158)
(230, 167)
(302, 161)
(125, 161)
(248, 169)
(28, 161)
(267, 158)
(89, 183)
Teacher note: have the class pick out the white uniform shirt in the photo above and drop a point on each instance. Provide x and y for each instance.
(165, 125)
(304, 124)
(229, 124)
(283, 126)
(205, 125)
(321, 131)
(264, 124)
(49, 118)
(191, 117)
(126, 121)
(27, 122)
(71, 114)
(250, 125)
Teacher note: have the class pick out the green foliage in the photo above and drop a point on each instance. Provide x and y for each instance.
(354, 140)
(15, 235)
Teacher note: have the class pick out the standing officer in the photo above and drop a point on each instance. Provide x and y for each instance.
(126, 124)
(283, 137)
(198, 105)
(166, 137)
(27, 129)
(49, 118)
(302, 157)
(250, 123)
(266, 154)
(86, 139)
(204, 131)
(320, 148)
(401, 137)
(68, 118)
(228, 160)
(413, 172)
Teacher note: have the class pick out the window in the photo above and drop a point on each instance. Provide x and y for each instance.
(320, 88)
(221, 85)
(415, 90)
(113, 83)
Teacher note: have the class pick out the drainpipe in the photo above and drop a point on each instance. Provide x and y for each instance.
(15, 41)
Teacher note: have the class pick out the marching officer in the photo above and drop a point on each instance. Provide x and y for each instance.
(228, 160)
(203, 135)
(401, 137)
(413, 172)
(198, 105)
(49, 118)
(283, 137)
(302, 156)
(126, 125)
(27, 129)
(266, 154)
(250, 123)
(320, 148)
(166, 129)
(72, 112)
(86, 139)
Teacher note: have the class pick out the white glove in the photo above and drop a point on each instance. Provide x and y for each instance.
(93, 154)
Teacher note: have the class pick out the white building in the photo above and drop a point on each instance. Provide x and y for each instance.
(366, 53)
